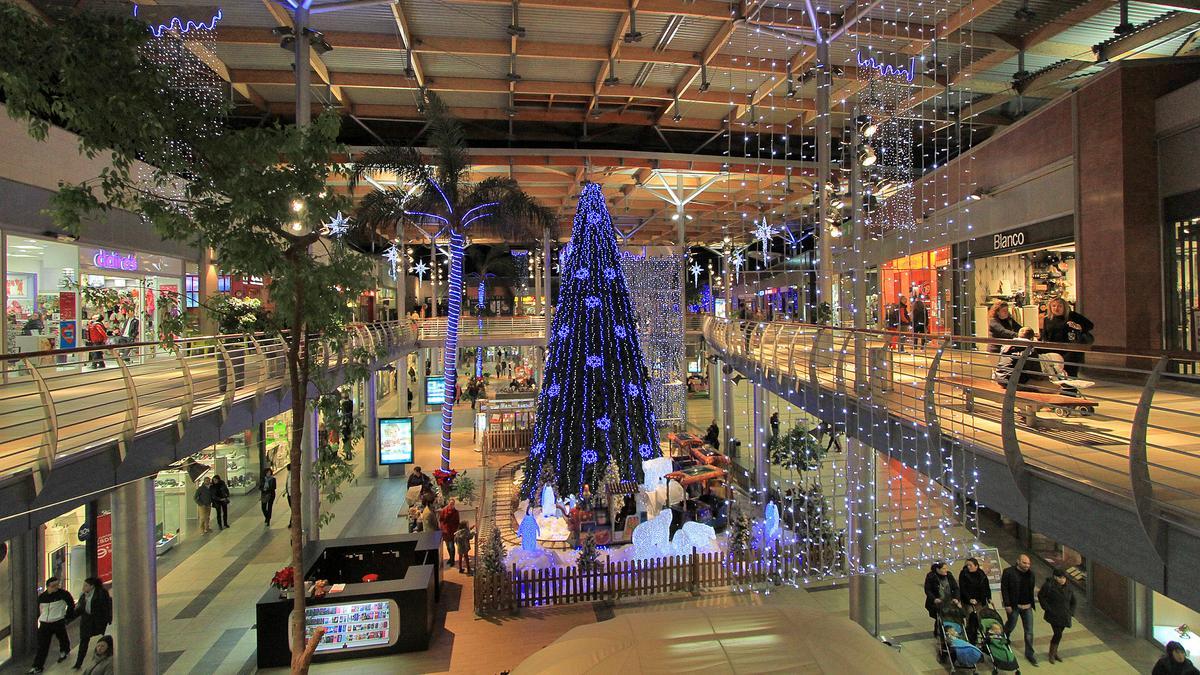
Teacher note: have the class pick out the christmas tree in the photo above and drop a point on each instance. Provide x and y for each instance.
(594, 406)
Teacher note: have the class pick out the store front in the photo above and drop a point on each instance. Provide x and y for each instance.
(131, 284)
(39, 294)
(1026, 267)
(1181, 247)
(924, 275)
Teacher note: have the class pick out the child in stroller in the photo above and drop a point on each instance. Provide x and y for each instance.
(995, 642)
(1042, 372)
(952, 648)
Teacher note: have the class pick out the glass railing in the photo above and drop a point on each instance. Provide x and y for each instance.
(1127, 424)
(58, 404)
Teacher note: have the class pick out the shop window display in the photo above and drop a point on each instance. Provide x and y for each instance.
(38, 294)
(63, 554)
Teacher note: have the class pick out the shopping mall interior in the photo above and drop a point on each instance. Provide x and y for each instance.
(729, 336)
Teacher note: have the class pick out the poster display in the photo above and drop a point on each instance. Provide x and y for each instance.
(991, 564)
(351, 627)
(67, 339)
(104, 547)
(395, 440)
(435, 390)
(66, 305)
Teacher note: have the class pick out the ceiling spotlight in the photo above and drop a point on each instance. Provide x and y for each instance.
(316, 39)
(791, 88)
(612, 80)
(513, 77)
(835, 231)
(510, 111)
(867, 156)
(737, 378)
(297, 226)
(677, 117)
(516, 31)
(704, 83)
(297, 206)
(868, 129)
(1024, 14)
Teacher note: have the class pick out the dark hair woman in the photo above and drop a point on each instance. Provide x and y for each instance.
(1174, 662)
(1058, 601)
(1067, 326)
(1001, 324)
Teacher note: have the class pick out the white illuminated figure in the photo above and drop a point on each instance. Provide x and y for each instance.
(529, 532)
(771, 527)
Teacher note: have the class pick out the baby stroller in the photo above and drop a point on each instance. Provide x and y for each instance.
(1054, 367)
(953, 650)
(995, 642)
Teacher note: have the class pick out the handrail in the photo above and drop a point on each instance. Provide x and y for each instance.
(1116, 436)
(62, 403)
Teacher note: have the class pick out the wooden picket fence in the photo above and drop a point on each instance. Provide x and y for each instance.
(511, 590)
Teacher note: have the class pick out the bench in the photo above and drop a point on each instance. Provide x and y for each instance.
(1028, 403)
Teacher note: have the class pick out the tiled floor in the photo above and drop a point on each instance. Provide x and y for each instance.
(206, 593)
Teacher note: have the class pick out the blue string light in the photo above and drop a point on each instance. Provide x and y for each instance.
(592, 410)
(177, 25)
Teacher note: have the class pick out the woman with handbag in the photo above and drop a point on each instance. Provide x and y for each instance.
(1069, 327)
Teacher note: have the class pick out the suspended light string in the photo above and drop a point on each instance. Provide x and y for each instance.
(654, 288)
(594, 406)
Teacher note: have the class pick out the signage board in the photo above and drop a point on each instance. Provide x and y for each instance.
(354, 626)
(1038, 235)
(435, 390)
(991, 564)
(67, 338)
(395, 440)
(66, 305)
(104, 547)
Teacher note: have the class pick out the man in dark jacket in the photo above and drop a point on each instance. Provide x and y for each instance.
(1016, 592)
(975, 592)
(940, 588)
(55, 606)
(920, 320)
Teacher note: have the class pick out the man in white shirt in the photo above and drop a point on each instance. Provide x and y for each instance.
(55, 606)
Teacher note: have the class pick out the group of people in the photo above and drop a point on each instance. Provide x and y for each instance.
(1045, 368)
(113, 329)
(1019, 594)
(56, 608)
(213, 494)
(900, 320)
(427, 513)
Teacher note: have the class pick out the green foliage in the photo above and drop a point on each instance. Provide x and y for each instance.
(798, 450)
(492, 558)
(171, 321)
(739, 538)
(824, 314)
(238, 315)
(589, 557)
(815, 517)
(463, 488)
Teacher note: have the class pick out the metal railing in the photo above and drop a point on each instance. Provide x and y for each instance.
(498, 327)
(57, 404)
(1134, 432)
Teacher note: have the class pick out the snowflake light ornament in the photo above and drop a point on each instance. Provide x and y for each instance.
(594, 361)
(592, 302)
(337, 227)
(620, 331)
(392, 255)
(764, 231)
(737, 260)
(644, 451)
(604, 423)
(582, 273)
(589, 456)
(610, 273)
(633, 390)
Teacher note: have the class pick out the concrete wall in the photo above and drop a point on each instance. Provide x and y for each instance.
(1177, 123)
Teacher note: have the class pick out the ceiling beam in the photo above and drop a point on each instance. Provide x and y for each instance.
(705, 57)
(408, 41)
(1064, 21)
(614, 48)
(1146, 34)
(284, 19)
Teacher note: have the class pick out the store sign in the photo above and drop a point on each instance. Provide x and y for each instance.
(66, 305)
(104, 547)
(1022, 238)
(435, 390)
(112, 260)
(67, 339)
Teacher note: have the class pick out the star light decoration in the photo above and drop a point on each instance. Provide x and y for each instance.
(392, 256)
(764, 232)
(695, 269)
(737, 260)
(420, 269)
(338, 226)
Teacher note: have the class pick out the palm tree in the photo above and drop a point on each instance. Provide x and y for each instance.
(435, 192)
(489, 262)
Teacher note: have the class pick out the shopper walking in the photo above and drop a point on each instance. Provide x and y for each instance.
(55, 606)
(1058, 603)
(449, 521)
(96, 337)
(204, 500)
(102, 658)
(775, 423)
(220, 499)
(1017, 586)
(1174, 662)
(462, 542)
(920, 320)
(713, 435)
(417, 478)
(428, 518)
(940, 590)
(94, 610)
(975, 592)
(267, 488)
(1070, 327)
(1001, 325)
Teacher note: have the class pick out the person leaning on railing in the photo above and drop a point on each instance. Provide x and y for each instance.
(1001, 324)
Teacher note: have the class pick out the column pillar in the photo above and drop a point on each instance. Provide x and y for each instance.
(824, 156)
(547, 276)
(759, 435)
(716, 388)
(135, 581)
(371, 422)
(310, 497)
(727, 407)
(207, 283)
(860, 535)
(25, 580)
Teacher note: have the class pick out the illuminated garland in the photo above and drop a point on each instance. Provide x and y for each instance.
(654, 284)
(594, 407)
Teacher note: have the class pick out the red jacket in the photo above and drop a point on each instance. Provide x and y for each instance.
(449, 520)
(96, 333)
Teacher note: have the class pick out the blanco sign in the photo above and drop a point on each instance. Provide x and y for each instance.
(1003, 241)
